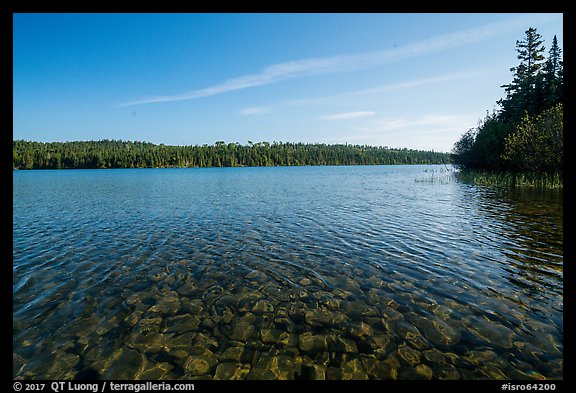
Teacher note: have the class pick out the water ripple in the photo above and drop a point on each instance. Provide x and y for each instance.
(340, 272)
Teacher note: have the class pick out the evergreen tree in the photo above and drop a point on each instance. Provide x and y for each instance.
(522, 92)
(552, 75)
(526, 134)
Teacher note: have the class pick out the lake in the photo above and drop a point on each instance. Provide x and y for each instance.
(350, 272)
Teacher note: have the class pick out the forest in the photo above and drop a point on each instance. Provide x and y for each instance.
(525, 135)
(129, 154)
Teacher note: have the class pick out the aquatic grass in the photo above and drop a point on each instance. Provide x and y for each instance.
(439, 176)
(512, 179)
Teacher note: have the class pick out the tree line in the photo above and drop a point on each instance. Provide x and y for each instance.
(130, 154)
(526, 133)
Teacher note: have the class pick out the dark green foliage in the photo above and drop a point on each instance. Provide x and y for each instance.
(536, 145)
(125, 154)
(525, 135)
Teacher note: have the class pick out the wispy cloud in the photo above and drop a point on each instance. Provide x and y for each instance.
(426, 123)
(327, 65)
(256, 110)
(429, 131)
(348, 115)
(391, 87)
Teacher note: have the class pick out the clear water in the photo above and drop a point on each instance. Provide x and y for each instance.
(364, 272)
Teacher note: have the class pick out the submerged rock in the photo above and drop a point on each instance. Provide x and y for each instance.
(379, 341)
(406, 330)
(492, 371)
(200, 361)
(424, 371)
(275, 367)
(231, 354)
(324, 317)
(244, 328)
(446, 371)
(64, 363)
(491, 332)
(378, 369)
(342, 345)
(354, 370)
(262, 306)
(361, 331)
(270, 336)
(180, 341)
(182, 323)
(126, 364)
(434, 356)
(408, 354)
(308, 342)
(437, 331)
(231, 371)
(157, 372)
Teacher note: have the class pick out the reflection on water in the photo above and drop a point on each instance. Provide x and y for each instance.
(284, 273)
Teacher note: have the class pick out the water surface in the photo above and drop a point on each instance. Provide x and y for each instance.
(364, 272)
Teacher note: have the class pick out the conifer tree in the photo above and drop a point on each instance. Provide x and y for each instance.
(522, 92)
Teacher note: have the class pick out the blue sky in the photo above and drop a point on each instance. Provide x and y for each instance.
(399, 80)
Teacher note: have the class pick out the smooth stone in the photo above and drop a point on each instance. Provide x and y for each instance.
(231, 371)
(380, 341)
(270, 336)
(324, 317)
(133, 318)
(232, 354)
(480, 357)
(285, 367)
(247, 301)
(262, 306)
(437, 331)
(305, 281)
(182, 323)
(192, 306)
(149, 324)
(288, 339)
(207, 341)
(492, 372)
(243, 330)
(149, 342)
(178, 353)
(408, 354)
(227, 315)
(378, 369)
(159, 371)
(308, 342)
(125, 365)
(406, 330)
(442, 311)
(343, 345)
(447, 372)
(424, 371)
(354, 370)
(420, 343)
(495, 334)
(200, 361)
(181, 341)
(362, 330)
(434, 356)
(526, 374)
(333, 374)
(197, 366)
(63, 363)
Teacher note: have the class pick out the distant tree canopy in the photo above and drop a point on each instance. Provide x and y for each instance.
(127, 154)
(526, 134)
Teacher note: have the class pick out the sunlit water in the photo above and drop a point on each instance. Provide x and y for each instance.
(365, 272)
